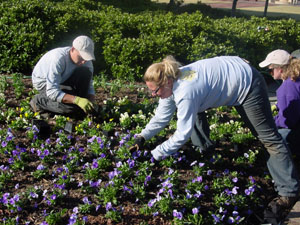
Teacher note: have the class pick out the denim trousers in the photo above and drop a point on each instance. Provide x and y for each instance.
(77, 84)
(292, 138)
(200, 134)
(256, 113)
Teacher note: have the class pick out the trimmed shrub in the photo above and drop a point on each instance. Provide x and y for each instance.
(125, 43)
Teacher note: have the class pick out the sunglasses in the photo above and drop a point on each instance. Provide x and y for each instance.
(155, 91)
(271, 70)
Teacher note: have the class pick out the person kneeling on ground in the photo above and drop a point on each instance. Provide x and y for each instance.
(282, 66)
(63, 78)
(211, 83)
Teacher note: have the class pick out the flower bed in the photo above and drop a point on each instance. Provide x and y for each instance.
(89, 176)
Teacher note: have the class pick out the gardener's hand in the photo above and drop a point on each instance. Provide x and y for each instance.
(274, 108)
(85, 104)
(138, 144)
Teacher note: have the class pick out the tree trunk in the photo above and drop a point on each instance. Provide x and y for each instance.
(172, 2)
(266, 8)
(234, 3)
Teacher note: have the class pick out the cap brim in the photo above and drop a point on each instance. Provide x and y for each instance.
(264, 64)
(296, 54)
(87, 56)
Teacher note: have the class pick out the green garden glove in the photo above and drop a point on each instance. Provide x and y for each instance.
(86, 105)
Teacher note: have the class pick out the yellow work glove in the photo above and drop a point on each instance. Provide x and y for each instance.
(85, 104)
(274, 108)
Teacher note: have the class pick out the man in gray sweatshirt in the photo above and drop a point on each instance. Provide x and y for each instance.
(64, 79)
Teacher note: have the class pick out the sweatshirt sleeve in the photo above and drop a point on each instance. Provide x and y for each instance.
(91, 86)
(288, 104)
(53, 80)
(186, 115)
(288, 113)
(163, 115)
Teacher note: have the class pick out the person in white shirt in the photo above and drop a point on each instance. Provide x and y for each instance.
(63, 78)
(210, 83)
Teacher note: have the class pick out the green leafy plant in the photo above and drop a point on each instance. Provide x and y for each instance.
(41, 172)
(5, 175)
(56, 217)
(18, 84)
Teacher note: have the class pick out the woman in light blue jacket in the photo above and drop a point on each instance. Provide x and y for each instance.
(210, 83)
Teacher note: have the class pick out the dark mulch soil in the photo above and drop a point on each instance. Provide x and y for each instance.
(130, 213)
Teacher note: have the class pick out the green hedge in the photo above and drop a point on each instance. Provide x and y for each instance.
(127, 43)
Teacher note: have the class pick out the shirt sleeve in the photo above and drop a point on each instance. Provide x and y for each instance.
(186, 115)
(163, 115)
(53, 80)
(91, 90)
(288, 111)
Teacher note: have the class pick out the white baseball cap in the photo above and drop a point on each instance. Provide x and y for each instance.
(85, 46)
(296, 54)
(279, 57)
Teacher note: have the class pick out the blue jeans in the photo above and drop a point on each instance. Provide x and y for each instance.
(200, 133)
(77, 84)
(292, 138)
(256, 112)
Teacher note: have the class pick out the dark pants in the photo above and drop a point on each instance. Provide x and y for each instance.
(256, 113)
(292, 138)
(77, 85)
(200, 133)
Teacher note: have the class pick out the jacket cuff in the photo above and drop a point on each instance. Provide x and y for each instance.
(157, 155)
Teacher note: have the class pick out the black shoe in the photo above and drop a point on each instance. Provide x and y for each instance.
(43, 126)
(278, 209)
(284, 202)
